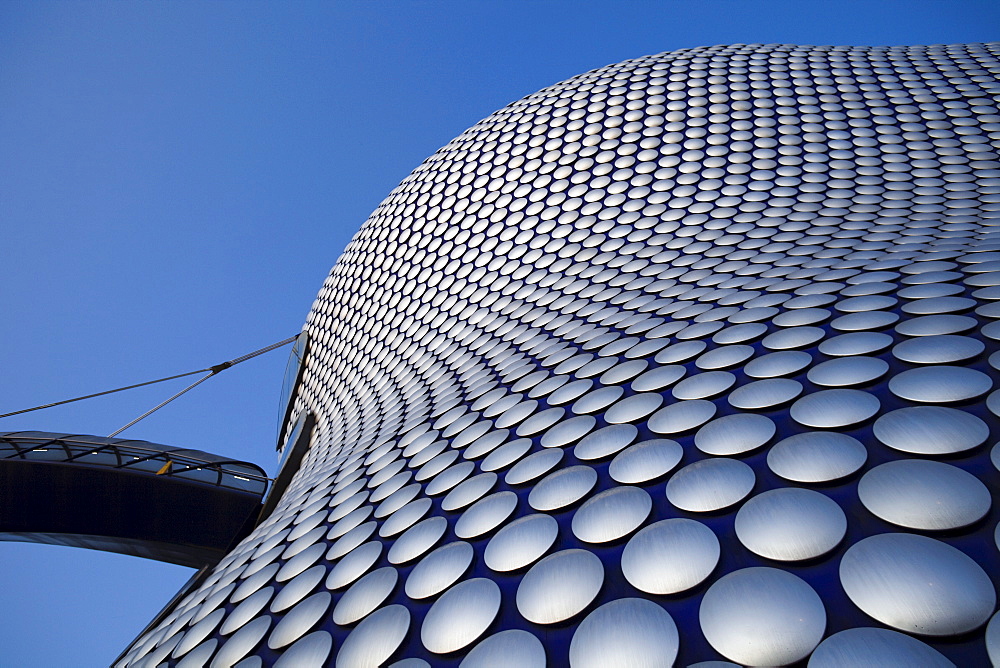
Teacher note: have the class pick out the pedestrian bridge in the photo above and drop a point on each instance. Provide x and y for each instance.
(181, 506)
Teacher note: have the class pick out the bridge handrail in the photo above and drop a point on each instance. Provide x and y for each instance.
(135, 455)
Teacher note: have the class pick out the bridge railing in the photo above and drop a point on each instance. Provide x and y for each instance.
(134, 456)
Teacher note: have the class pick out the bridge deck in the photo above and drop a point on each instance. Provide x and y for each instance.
(134, 497)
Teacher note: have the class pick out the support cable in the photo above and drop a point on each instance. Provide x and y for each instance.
(162, 404)
(210, 371)
(101, 394)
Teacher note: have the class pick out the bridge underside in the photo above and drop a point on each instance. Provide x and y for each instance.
(117, 510)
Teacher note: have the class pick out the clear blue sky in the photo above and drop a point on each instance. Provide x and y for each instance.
(177, 178)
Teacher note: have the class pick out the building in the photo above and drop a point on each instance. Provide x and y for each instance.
(688, 358)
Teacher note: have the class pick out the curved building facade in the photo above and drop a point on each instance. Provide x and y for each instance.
(690, 358)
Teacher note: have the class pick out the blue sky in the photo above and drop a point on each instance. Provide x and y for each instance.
(176, 180)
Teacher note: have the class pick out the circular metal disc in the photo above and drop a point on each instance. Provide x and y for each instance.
(828, 409)
(921, 494)
(605, 442)
(533, 466)
(514, 648)
(847, 371)
(460, 616)
(734, 434)
(816, 456)
(613, 513)
(486, 514)
(930, 430)
(783, 363)
(944, 349)
(762, 617)
(521, 542)
(559, 586)
(765, 394)
(645, 461)
(625, 633)
(365, 595)
(917, 584)
(681, 416)
(875, 647)
(790, 524)
(670, 556)
(373, 641)
(438, 570)
(940, 384)
(562, 488)
(711, 484)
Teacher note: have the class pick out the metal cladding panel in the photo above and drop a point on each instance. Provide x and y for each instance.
(688, 358)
